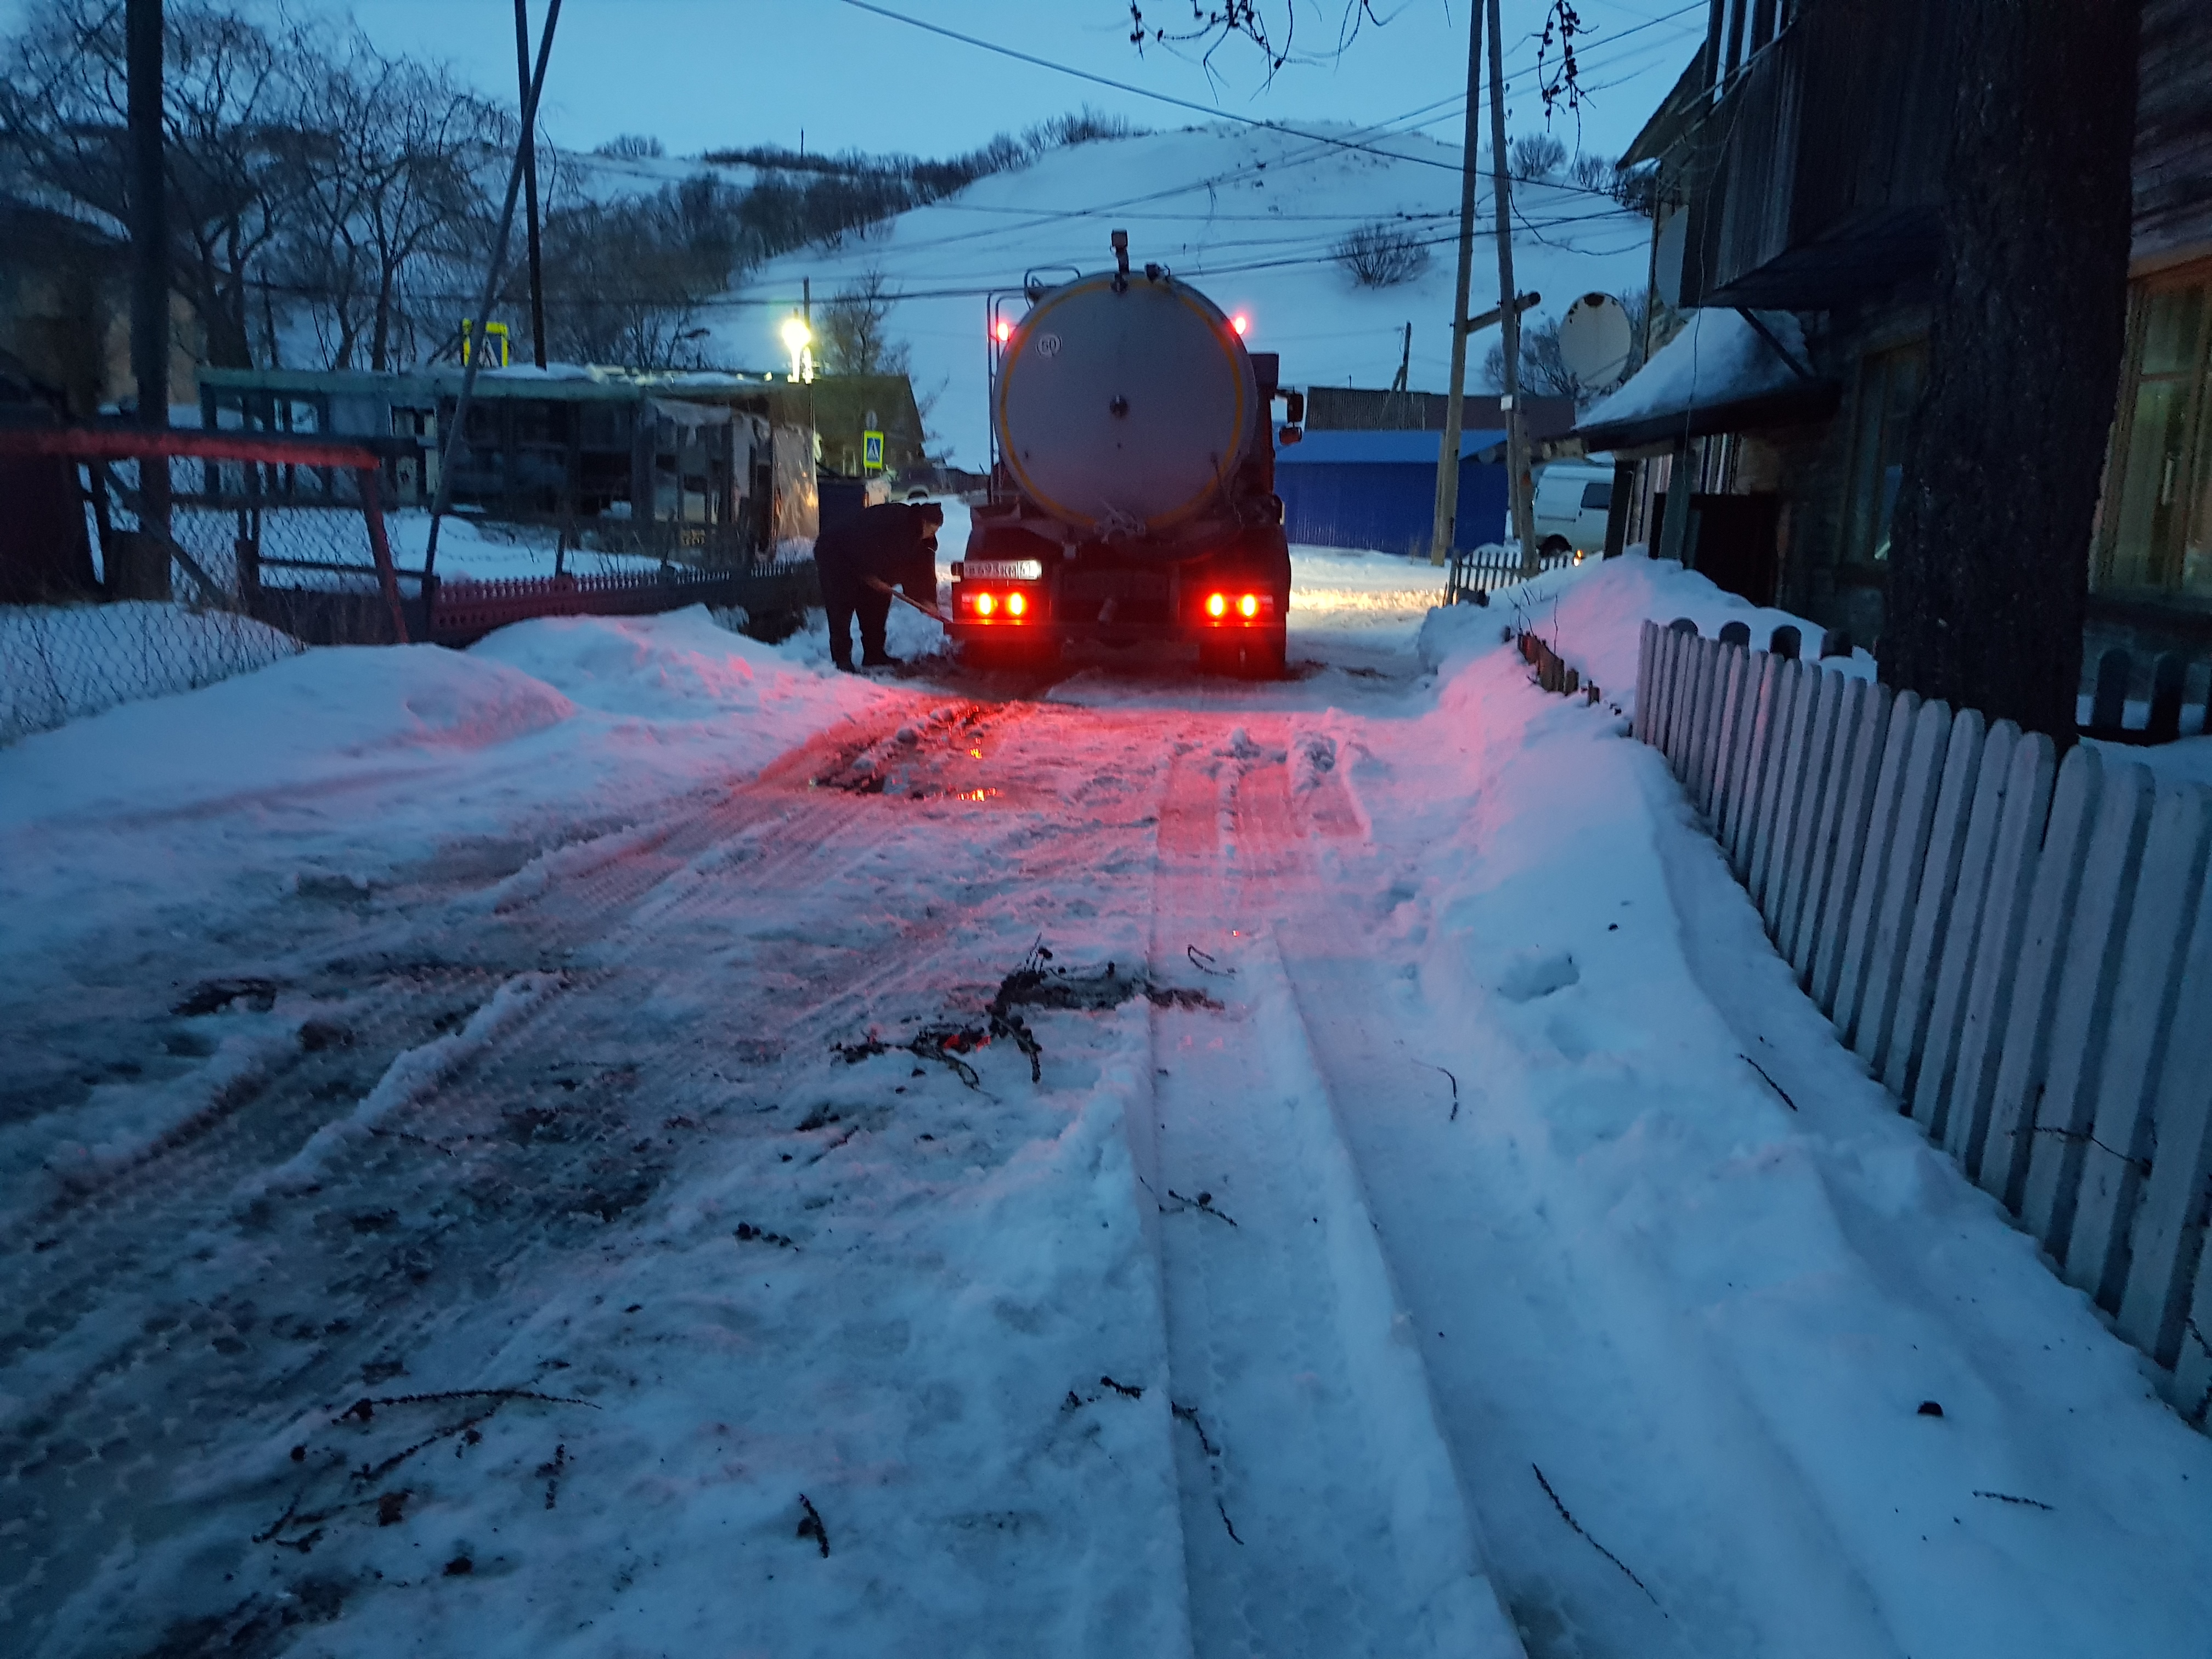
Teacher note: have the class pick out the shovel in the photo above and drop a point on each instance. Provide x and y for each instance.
(927, 608)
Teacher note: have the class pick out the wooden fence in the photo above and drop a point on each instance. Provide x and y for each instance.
(2020, 950)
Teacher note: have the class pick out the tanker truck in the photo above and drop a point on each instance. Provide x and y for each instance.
(1133, 480)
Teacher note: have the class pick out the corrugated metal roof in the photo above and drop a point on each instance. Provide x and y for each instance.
(1377, 448)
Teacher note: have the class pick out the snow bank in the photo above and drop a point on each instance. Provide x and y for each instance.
(1591, 613)
(348, 763)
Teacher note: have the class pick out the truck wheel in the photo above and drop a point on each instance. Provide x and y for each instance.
(1267, 656)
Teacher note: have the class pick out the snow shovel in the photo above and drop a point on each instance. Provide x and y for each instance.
(927, 608)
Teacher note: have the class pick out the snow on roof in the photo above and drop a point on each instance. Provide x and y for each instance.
(1373, 447)
(1717, 359)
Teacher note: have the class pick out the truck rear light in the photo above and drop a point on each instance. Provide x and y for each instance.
(1238, 608)
(984, 607)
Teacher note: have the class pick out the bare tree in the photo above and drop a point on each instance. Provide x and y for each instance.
(1536, 157)
(389, 150)
(1381, 254)
(625, 280)
(231, 102)
(853, 330)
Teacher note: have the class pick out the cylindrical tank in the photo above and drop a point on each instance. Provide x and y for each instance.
(1124, 405)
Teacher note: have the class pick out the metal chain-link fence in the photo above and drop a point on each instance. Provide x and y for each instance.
(258, 548)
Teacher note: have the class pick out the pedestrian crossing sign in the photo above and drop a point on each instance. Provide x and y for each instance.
(872, 452)
(495, 343)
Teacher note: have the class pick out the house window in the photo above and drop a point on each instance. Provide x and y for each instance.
(2158, 526)
(1888, 389)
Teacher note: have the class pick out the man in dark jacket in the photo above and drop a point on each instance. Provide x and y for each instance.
(894, 544)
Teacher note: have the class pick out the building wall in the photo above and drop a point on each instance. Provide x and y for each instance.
(1389, 507)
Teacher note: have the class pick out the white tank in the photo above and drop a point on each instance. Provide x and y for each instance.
(1123, 411)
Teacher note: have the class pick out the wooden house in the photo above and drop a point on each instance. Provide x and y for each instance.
(1799, 166)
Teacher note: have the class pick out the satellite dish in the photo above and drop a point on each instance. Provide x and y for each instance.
(1595, 340)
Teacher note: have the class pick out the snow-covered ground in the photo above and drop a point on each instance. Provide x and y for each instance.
(1250, 216)
(575, 1147)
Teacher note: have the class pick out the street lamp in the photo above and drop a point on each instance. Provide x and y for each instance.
(799, 341)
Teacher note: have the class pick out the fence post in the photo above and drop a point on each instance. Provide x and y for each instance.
(1830, 884)
(1834, 704)
(1729, 733)
(1647, 639)
(1997, 945)
(2060, 1110)
(371, 513)
(1758, 744)
(2169, 1232)
(2017, 1031)
(1951, 965)
(1939, 908)
(1783, 766)
(1862, 856)
(2108, 708)
(1873, 965)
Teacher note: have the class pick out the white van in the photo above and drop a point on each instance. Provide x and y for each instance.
(1573, 500)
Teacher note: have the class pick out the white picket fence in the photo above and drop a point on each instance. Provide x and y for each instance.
(2020, 950)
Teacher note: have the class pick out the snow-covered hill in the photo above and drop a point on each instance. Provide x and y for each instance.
(1251, 216)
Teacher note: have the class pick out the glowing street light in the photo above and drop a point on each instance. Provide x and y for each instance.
(799, 341)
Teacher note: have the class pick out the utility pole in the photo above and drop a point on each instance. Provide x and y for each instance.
(146, 576)
(1444, 533)
(1516, 440)
(450, 448)
(530, 182)
(1405, 361)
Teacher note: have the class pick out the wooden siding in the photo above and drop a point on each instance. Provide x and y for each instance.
(1825, 158)
(2173, 131)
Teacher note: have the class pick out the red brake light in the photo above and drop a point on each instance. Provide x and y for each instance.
(1217, 605)
(1016, 604)
(1249, 606)
(986, 603)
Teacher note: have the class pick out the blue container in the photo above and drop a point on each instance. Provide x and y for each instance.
(1378, 490)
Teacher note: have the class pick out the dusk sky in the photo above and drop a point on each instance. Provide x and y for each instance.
(702, 74)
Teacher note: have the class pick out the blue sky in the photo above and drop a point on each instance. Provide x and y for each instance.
(700, 74)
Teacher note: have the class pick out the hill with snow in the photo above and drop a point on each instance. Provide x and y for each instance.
(1251, 216)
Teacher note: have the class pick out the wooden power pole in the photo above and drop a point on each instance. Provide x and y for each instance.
(146, 576)
(1444, 533)
(530, 183)
(1517, 434)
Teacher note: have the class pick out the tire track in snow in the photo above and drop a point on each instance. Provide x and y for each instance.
(182, 1250)
(1531, 1291)
(1321, 1511)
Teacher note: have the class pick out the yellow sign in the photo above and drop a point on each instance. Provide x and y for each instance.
(495, 343)
(872, 452)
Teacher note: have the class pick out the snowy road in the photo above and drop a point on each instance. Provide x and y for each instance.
(710, 1227)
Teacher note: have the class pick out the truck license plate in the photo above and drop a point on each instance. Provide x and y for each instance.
(1002, 570)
